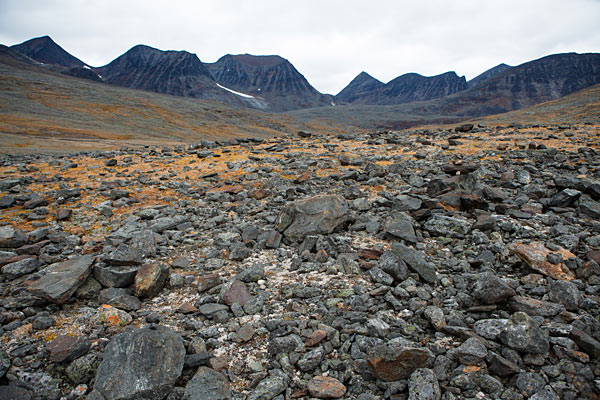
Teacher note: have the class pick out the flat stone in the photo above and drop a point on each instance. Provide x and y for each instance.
(20, 268)
(535, 255)
(590, 345)
(401, 229)
(207, 384)
(324, 387)
(533, 306)
(392, 363)
(4, 363)
(62, 279)
(124, 255)
(141, 364)
(67, 348)
(11, 237)
(150, 280)
(471, 352)
(314, 215)
(565, 198)
(210, 309)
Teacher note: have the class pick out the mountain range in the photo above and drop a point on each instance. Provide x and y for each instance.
(272, 83)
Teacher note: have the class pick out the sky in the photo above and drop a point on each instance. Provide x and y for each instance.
(328, 41)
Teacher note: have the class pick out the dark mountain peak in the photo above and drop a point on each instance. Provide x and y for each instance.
(361, 85)
(364, 89)
(45, 50)
(490, 73)
(272, 78)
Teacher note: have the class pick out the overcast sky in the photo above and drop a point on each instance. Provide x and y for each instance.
(328, 41)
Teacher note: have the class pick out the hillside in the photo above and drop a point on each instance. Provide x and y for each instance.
(531, 83)
(270, 78)
(46, 110)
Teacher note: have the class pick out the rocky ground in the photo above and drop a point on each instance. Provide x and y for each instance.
(431, 264)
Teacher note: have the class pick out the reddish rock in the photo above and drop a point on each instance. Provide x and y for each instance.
(187, 308)
(62, 279)
(390, 363)
(67, 348)
(316, 337)
(324, 387)
(535, 253)
(235, 292)
(149, 280)
(259, 194)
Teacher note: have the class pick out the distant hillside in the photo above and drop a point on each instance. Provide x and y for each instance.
(534, 82)
(271, 78)
(406, 88)
(490, 73)
(45, 110)
(45, 50)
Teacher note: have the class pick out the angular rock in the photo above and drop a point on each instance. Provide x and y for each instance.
(565, 198)
(442, 225)
(235, 291)
(500, 366)
(423, 385)
(522, 334)
(324, 387)
(167, 223)
(149, 280)
(471, 352)
(415, 260)
(62, 279)
(207, 384)
(141, 364)
(20, 268)
(64, 214)
(209, 281)
(590, 208)
(391, 363)
(565, 293)
(315, 215)
(401, 229)
(83, 369)
(124, 255)
(268, 388)
(590, 345)
(535, 255)
(490, 289)
(11, 237)
(119, 298)
(67, 348)
(533, 306)
(111, 316)
(310, 360)
(435, 316)
(115, 276)
(489, 328)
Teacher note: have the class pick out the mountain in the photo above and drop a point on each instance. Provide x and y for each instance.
(45, 50)
(404, 89)
(359, 87)
(488, 74)
(177, 73)
(271, 78)
(534, 82)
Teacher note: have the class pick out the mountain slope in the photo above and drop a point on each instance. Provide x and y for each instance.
(404, 89)
(488, 74)
(271, 78)
(45, 50)
(45, 110)
(534, 82)
(177, 73)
